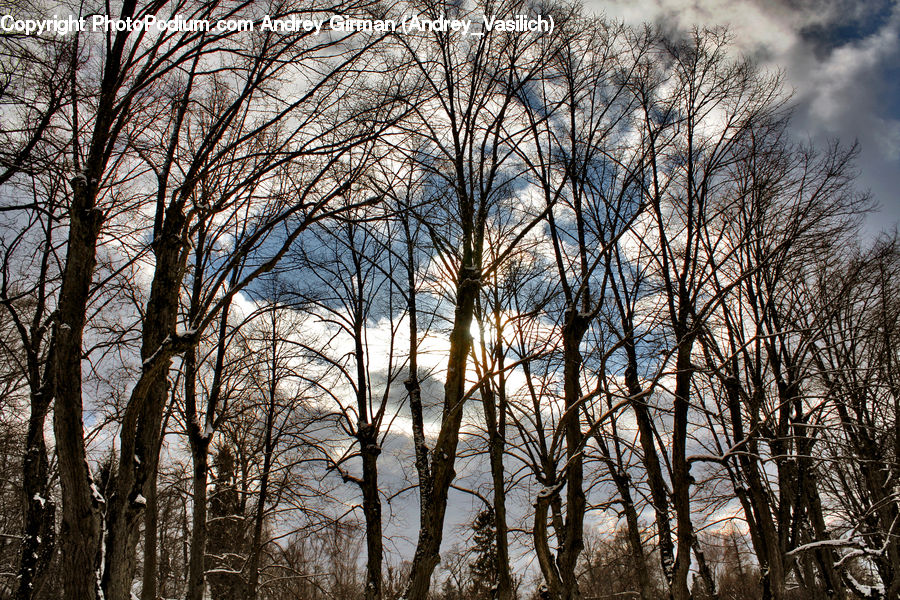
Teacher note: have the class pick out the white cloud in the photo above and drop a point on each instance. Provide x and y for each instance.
(838, 85)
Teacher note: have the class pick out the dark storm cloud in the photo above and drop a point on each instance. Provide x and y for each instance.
(841, 58)
(859, 21)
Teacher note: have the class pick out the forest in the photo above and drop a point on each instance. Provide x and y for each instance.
(433, 315)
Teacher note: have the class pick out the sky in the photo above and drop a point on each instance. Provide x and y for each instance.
(841, 59)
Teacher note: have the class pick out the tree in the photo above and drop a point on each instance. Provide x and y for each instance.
(856, 364)
(635, 315)
(468, 87)
(591, 200)
(28, 285)
(33, 94)
(694, 115)
(485, 566)
(227, 531)
(201, 146)
(350, 291)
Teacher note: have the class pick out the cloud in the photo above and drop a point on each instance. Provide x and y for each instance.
(839, 57)
(849, 77)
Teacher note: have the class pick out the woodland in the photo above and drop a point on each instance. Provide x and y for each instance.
(309, 315)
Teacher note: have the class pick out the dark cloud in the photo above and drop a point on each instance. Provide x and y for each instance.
(847, 27)
(841, 58)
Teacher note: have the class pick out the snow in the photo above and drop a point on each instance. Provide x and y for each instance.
(668, 567)
(96, 495)
(549, 491)
(869, 592)
(147, 363)
(838, 543)
(98, 572)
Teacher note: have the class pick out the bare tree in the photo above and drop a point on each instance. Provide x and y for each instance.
(586, 179)
(693, 116)
(32, 93)
(655, 322)
(857, 368)
(469, 85)
(133, 65)
(351, 292)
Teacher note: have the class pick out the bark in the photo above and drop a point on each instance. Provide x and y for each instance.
(503, 590)
(367, 434)
(39, 530)
(681, 476)
(412, 385)
(413, 388)
(199, 532)
(634, 536)
(372, 512)
(256, 546)
(658, 491)
(39, 521)
(79, 536)
(434, 497)
(623, 486)
(757, 509)
(198, 439)
(149, 579)
(549, 570)
(256, 543)
(876, 480)
(80, 533)
(572, 542)
(659, 494)
(494, 406)
(706, 574)
(142, 423)
(201, 438)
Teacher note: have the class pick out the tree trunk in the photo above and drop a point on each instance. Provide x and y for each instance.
(572, 542)
(80, 533)
(706, 574)
(80, 538)
(413, 388)
(372, 512)
(149, 580)
(39, 531)
(427, 554)
(552, 583)
(623, 485)
(681, 477)
(764, 533)
(503, 591)
(197, 565)
(658, 491)
(494, 406)
(268, 449)
(142, 423)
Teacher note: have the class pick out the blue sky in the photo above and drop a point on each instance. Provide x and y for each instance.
(841, 58)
